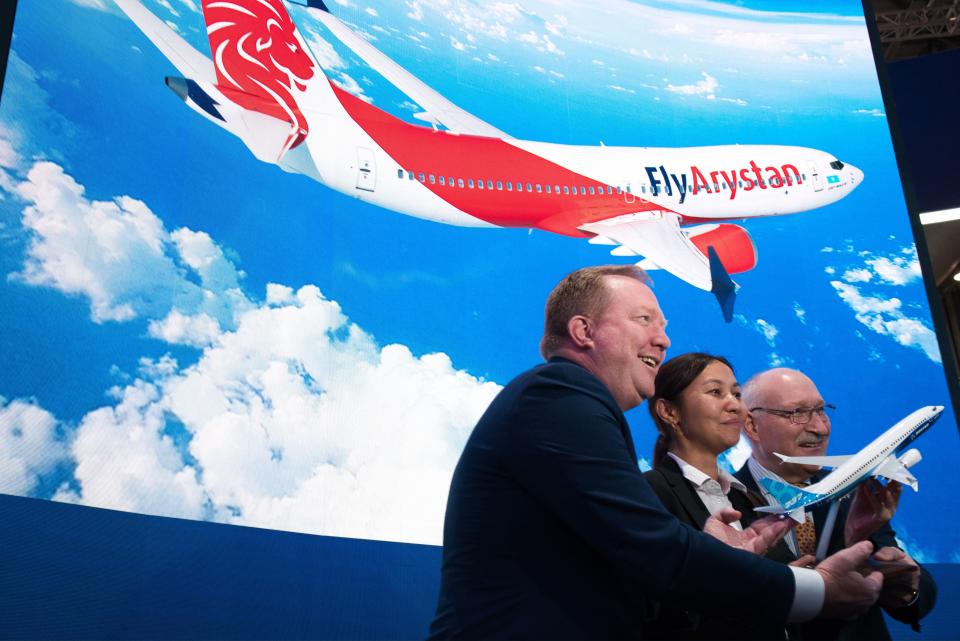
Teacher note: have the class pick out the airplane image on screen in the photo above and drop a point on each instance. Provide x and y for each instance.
(879, 458)
(670, 206)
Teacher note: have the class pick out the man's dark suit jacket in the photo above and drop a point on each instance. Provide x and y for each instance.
(871, 625)
(680, 498)
(551, 531)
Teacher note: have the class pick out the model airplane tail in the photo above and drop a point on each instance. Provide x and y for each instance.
(790, 500)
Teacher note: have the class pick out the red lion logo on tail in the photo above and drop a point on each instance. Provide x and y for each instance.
(259, 60)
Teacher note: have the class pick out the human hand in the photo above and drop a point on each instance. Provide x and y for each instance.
(872, 507)
(848, 592)
(758, 538)
(901, 576)
(805, 561)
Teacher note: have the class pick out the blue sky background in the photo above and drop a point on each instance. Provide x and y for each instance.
(156, 382)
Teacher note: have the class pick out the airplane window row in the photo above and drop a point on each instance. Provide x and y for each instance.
(501, 185)
(583, 190)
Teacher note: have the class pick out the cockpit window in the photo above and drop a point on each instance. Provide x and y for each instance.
(836, 164)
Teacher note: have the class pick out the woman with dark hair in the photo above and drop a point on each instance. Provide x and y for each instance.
(699, 414)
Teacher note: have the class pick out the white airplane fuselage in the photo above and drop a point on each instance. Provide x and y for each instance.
(865, 462)
(374, 157)
(667, 204)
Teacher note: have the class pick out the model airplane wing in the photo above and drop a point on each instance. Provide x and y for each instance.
(895, 470)
(437, 108)
(657, 236)
(822, 461)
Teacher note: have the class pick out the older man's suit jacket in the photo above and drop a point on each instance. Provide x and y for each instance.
(551, 531)
(871, 625)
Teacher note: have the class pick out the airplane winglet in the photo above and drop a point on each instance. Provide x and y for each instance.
(722, 286)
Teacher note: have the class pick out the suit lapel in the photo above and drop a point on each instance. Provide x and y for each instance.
(684, 492)
(781, 551)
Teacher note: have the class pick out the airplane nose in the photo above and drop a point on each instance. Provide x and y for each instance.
(856, 176)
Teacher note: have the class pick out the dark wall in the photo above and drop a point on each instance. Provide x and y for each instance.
(927, 98)
(70, 572)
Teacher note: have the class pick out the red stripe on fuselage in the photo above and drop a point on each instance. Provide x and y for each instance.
(425, 150)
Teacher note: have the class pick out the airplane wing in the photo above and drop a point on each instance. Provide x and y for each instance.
(657, 236)
(894, 470)
(437, 108)
(188, 61)
(822, 461)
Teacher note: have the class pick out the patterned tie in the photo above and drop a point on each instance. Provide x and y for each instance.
(806, 536)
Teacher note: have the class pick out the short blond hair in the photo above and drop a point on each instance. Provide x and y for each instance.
(580, 293)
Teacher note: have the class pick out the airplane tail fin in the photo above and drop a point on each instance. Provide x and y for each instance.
(263, 65)
(722, 286)
(789, 499)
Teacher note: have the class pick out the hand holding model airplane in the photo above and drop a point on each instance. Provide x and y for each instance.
(670, 206)
(879, 458)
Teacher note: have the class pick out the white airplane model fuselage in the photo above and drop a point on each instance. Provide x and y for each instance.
(668, 205)
(879, 458)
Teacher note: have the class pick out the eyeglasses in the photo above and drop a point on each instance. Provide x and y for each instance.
(801, 415)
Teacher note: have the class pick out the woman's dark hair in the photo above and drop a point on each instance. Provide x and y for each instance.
(675, 376)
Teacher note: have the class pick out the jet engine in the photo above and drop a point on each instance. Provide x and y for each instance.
(731, 242)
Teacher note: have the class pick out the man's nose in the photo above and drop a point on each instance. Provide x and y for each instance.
(660, 338)
(819, 424)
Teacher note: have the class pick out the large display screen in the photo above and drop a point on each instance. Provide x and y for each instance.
(191, 330)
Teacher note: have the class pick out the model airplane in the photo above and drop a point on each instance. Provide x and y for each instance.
(668, 205)
(879, 458)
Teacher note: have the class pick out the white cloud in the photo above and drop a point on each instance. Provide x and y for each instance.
(292, 417)
(372, 12)
(870, 112)
(897, 270)
(126, 462)
(178, 328)
(647, 55)
(9, 158)
(297, 421)
(333, 64)
(91, 4)
(858, 275)
(619, 88)
(800, 312)
(769, 331)
(169, 7)
(456, 44)
(540, 42)
(706, 87)
(118, 255)
(30, 446)
(416, 11)
(885, 317)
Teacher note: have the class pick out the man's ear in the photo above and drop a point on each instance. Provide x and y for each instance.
(667, 411)
(750, 428)
(580, 330)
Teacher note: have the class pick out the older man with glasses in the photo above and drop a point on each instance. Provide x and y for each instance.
(787, 415)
